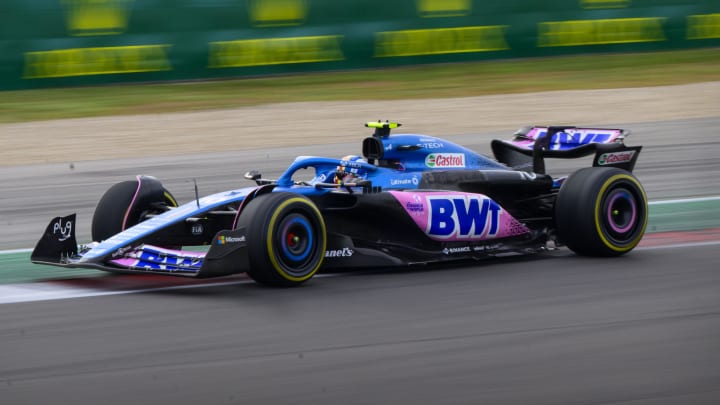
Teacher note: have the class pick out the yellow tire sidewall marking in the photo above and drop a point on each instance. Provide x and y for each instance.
(170, 198)
(269, 241)
(598, 214)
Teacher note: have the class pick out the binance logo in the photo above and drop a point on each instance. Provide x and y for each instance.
(97, 17)
(443, 8)
(276, 13)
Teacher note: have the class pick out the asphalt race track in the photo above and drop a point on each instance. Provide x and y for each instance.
(561, 330)
(554, 329)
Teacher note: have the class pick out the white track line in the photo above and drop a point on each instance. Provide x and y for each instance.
(48, 291)
(13, 251)
(685, 200)
(680, 245)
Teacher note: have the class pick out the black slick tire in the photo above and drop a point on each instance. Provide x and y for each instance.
(286, 238)
(601, 211)
(128, 203)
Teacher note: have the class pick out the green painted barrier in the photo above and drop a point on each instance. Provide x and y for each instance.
(46, 43)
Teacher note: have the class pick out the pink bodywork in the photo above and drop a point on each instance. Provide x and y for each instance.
(418, 206)
(571, 138)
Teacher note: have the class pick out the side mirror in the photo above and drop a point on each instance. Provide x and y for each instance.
(253, 175)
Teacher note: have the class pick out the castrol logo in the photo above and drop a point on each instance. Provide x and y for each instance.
(445, 160)
(612, 158)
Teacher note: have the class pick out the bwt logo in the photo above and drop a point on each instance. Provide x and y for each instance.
(463, 217)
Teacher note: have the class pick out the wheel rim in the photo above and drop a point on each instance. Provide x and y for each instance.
(621, 211)
(621, 215)
(296, 241)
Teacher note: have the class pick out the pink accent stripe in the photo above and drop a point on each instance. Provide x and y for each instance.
(630, 224)
(125, 262)
(127, 212)
(180, 253)
(242, 205)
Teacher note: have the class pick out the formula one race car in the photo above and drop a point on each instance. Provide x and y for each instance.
(410, 199)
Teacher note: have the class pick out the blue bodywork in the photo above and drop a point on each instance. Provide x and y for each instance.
(411, 150)
(393, 162)
(413, 154)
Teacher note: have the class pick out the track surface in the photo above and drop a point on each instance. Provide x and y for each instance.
(642, 329)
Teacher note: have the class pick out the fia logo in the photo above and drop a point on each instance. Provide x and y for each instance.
(197, 229)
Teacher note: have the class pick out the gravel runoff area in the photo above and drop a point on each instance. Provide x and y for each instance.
(292, 124)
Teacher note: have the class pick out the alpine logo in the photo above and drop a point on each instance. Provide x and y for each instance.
(445, 160)
(344, 252)
(612, 158)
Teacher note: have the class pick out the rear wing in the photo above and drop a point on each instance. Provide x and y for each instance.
(531, 145)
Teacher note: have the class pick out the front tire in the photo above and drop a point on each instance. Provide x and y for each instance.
(128, 203)
(286, 238)
(601, 211)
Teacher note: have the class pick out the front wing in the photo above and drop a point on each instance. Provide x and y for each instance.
(385, 229)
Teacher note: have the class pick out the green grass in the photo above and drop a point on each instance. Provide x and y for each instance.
(430, 81)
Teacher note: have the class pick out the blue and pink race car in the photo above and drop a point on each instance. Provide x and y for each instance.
(410, 199)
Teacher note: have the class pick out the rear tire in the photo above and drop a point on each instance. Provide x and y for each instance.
(128, 203)
(286, 238)
(601, 211)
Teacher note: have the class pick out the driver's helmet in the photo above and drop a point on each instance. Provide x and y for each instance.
(346, 173)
